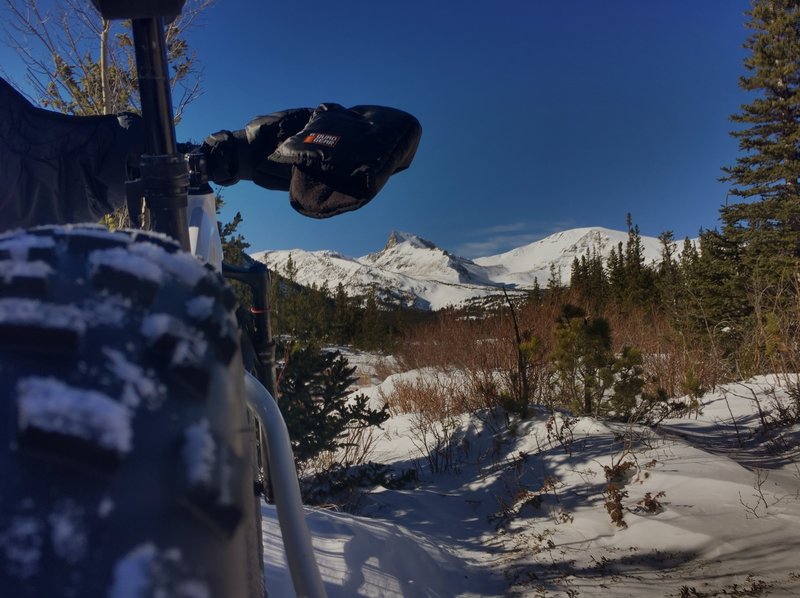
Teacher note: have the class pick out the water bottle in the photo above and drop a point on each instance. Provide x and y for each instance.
(204, 239)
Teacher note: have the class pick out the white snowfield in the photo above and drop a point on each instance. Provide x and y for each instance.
(428, 277)
(710, 504)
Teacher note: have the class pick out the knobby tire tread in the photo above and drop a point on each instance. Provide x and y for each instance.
(126, 451)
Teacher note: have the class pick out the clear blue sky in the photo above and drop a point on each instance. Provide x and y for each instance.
(537, 115)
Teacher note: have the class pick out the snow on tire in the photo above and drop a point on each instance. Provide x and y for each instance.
(125, 446)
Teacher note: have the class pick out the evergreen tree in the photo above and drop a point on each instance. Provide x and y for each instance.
(589, 280)
(554, 282)
(291, 314)
(639, 279)
(578, 278)
(669, 274)
(535, 296)
(371, 334)
(628, 381)
(766, 227)
(234, 246)
(583, 359)
(317, 402)
(234, 249)
(718, 304)
(617, 281)
(343, 318)
(290, 270)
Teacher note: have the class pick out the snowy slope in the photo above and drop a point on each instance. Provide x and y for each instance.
(420, 273)
(416, 257)
(521, 265)
(728, 520)
(408, 267)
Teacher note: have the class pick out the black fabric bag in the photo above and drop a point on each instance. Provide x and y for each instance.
(343, 157)
(56, 168)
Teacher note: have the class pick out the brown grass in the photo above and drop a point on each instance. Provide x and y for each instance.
(485, 351)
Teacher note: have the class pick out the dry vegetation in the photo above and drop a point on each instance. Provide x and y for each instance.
(485, 353)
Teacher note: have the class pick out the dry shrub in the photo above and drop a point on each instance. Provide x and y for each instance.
(385, 367)
(486, 351)
(356, 449)
(435, 402)
(436, 393)
(677, 362)
(614, 495)
(650, 503)
(777, 328)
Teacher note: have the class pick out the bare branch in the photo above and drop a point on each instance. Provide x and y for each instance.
(76, 63)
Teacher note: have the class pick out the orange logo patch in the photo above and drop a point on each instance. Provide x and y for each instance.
(322, 139)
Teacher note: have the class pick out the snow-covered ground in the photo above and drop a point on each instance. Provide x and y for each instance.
(711, 507)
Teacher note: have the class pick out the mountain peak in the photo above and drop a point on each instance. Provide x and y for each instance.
(418, 272)
(398, 238)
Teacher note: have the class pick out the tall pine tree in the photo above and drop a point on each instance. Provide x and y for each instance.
(767, 224)
(760, 235)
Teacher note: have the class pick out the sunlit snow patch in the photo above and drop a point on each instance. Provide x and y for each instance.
(198, 453)
(38, 313)
(147, 571)
(49, 405)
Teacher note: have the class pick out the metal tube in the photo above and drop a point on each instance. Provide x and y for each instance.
(165, 177)
(303, 567)
(256, 275)
(154, 90)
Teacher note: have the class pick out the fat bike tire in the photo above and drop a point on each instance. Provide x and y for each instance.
(126, 449)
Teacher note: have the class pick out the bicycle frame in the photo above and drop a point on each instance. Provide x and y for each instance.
(163, 185)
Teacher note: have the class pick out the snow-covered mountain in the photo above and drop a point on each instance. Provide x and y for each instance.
(419, 273)
(520, 266)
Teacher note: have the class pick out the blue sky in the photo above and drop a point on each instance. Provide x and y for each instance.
(537, 115)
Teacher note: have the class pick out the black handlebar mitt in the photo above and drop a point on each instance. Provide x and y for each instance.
(244, 154)
(343, 157)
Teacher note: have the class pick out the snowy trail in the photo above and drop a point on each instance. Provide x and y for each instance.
(371, 557)
(728, 522)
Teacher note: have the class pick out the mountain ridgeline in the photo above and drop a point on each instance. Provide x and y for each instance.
(415, 272)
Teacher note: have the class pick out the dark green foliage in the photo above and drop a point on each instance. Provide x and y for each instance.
(616, 274)
(628, 374)
(592, 380)
(625, 279)
(303, 313)
(758, 245)
(769, 165)
(582, 359)
(742, 283)
(669, 277)
(317, 402)
(311, 314)
(640, 282)
(343, 486)
(535, 296)
(589, 279)
(370, 326)
(234, 247)
(233, 243)
(344, 319)
(554, 283)
(720, 306)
